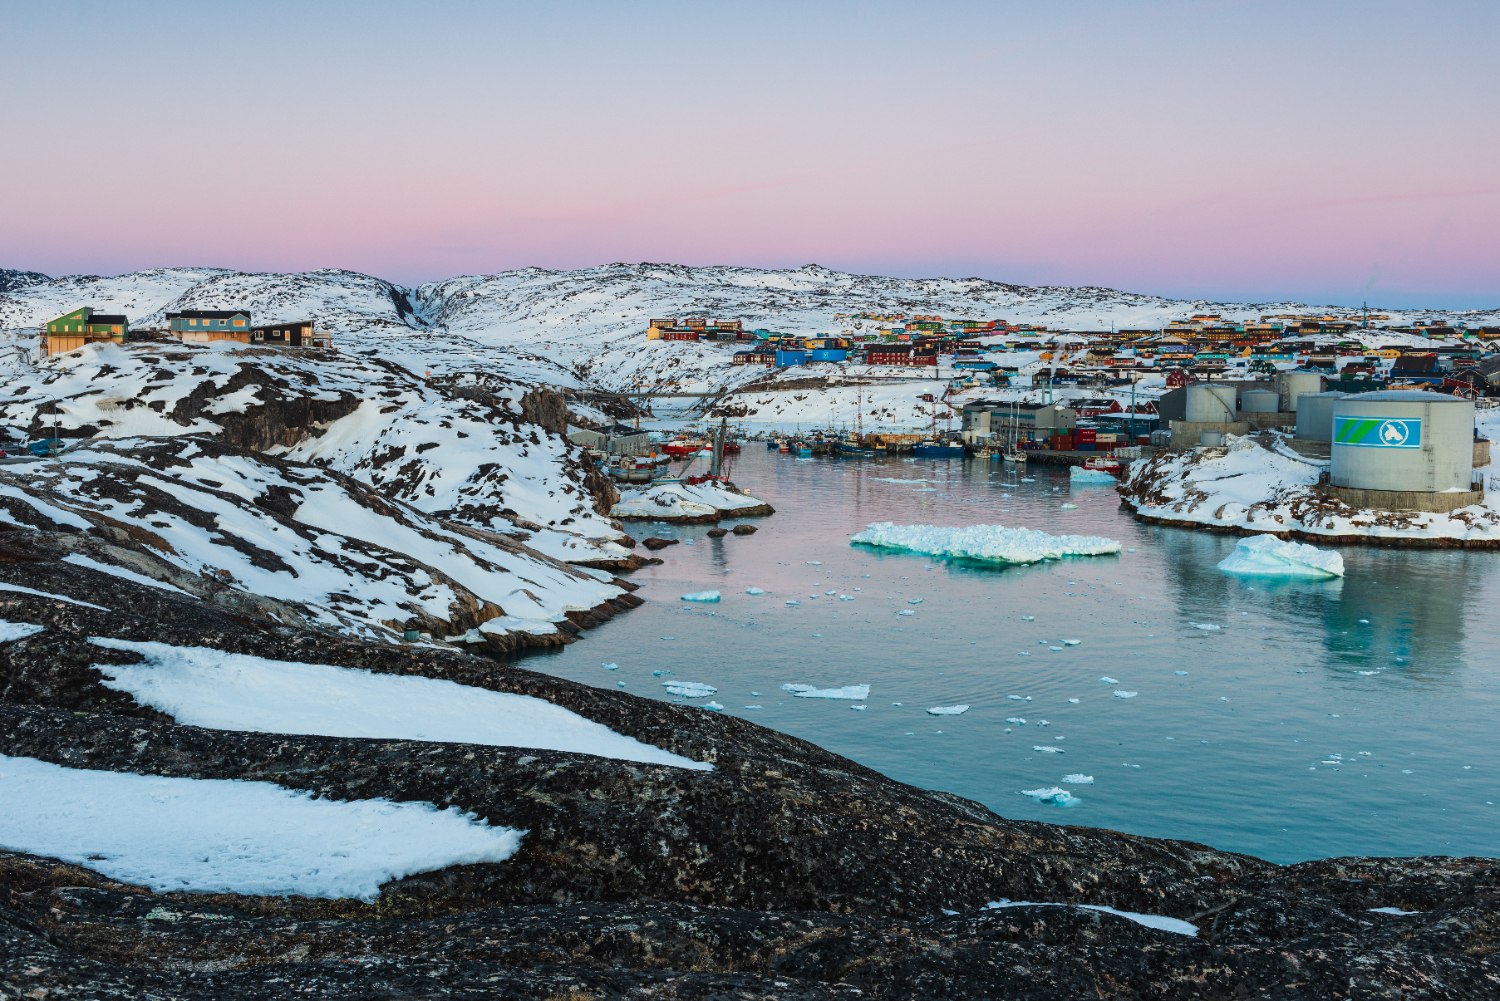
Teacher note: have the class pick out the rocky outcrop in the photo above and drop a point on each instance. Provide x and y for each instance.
(785, 872)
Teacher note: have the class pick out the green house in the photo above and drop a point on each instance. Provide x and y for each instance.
(84, 322)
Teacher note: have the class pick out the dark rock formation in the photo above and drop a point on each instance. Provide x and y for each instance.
(654, 543)
(786, 872)
(743, 530)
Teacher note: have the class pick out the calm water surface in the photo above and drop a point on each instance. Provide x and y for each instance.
(1355, 717)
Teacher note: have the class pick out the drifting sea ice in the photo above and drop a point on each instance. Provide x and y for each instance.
(689, 689)
(227, 691)
(1125, 695)
(755, 590)
(1078, 779)
(1077, 475)
(1107, 680)
(855, 693)
(1047, 749)
(947, 710)
(982, 543)
(1268, 556)
(707, 597)
(229, 836)
(1052, 796)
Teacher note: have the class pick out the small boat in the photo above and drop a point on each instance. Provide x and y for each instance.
(938, 450)
(775, 446)
(1014, 456)
(852, 449)
(682, 448)
(1102, 464)
(804, 451)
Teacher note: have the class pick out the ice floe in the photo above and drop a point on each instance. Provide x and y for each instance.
(705, 597)
(854, 693)
(1052, 796)
(1079, 475)
(1268, 556)
(689, 689)
(1078, 779)
(982, 543)
(947, 710)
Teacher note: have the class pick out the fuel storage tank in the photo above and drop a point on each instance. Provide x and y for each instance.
(1315, 416)
(1259, 401)
(1291, 385)
(1212, 403)
(1403, 440)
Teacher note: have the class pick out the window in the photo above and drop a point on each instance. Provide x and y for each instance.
(192, 323)
(239, 322)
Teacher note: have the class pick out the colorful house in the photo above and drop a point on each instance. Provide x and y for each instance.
(198, 326)
(295, 334)
(84, 326)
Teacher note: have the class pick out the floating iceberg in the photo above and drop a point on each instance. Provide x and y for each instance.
(855, 693)
(708, 597)
(947, 710)
(689, 689)
(1053, 796)
(1268, 556)
(1078, 779)
(1080, 475)
(983, 543)
(1125, 695)
(755, 590)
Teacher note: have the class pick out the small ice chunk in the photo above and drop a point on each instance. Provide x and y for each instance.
(915, 601)
(1047, 749)
(1180, 673)
(855, 693)
(1207, 627)
(1071, 642)
(1078, 779)
(1019, 698)
(1268, 556)
(794, 601)
(689, 689)
(1017, 720)
(662, 673)
(1392, 910)
(1073, 702)
(814, 563)
(755, 590)
(947, 710)
(714, 706)
(1125, 695)
(1108, 680)
(906, 611)
(859, 709)
(1028, 618)
(610, 666)
(1052, 796)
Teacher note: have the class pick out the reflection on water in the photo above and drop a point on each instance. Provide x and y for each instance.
(1291, 719)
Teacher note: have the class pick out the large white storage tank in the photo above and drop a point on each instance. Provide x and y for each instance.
(1212, 403)
(1403, 440)
(1259, 401)
(1315, 416)
(1291, 385)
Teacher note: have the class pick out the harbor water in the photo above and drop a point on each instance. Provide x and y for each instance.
(1288, 719)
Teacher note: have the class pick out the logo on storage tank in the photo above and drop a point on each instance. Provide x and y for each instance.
(1378, 432)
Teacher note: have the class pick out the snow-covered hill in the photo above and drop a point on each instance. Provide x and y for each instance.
(573, 328)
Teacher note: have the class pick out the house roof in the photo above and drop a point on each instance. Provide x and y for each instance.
(208, 314)
(108, 318)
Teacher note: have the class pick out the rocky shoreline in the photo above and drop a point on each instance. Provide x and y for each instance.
(785, 872)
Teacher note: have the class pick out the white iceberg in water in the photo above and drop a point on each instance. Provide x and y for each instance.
(1080, 475)
(1268, 556)
(855, 693)
(983, 543)
(947, 710)
(707, 597)
(1053, 796)
(689, 689)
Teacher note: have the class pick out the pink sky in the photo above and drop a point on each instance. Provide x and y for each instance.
(1186, 148)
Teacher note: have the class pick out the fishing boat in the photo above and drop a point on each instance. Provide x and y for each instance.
(1103, 464)
(682, 448)
(938, 450)
(851, 447)
(636, 468)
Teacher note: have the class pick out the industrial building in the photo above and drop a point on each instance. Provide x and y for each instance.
(985, 419)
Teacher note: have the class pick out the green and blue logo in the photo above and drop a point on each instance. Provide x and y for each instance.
(1378, 432)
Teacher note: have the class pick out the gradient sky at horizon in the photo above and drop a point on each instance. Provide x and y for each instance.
(1239, 149)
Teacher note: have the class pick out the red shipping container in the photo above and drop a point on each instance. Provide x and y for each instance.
(1087, 434)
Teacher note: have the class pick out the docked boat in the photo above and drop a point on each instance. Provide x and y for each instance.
(636, 468)
(1014, 456)
(1103, 464)
(682, 448)
(938, 450)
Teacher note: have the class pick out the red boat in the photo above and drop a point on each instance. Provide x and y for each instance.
(1103, 465)
(681, 448)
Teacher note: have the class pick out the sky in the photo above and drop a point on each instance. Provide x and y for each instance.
(1321, 151)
